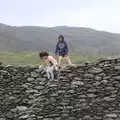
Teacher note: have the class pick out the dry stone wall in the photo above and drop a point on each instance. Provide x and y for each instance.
(90, 91)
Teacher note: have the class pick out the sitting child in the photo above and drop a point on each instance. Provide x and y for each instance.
(51, 64)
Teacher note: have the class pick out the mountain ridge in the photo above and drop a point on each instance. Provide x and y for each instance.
(85, 41)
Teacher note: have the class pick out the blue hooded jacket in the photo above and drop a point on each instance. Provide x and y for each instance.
(61, 48)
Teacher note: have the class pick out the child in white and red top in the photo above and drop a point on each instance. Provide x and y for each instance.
(51, 64)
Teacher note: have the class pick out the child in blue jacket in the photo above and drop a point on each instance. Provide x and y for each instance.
(62, 50)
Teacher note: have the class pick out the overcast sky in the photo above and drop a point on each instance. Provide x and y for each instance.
(97, 14)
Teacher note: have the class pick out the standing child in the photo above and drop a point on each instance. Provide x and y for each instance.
(51, 64)
(62, 50)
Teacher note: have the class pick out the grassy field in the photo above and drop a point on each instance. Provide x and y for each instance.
(25, 58)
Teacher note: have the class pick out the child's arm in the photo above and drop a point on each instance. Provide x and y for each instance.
(66, 48)
(52, 60)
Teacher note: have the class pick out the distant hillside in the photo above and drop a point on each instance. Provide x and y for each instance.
(83, 41)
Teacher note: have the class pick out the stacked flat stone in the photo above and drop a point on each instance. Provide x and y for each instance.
(89, 91)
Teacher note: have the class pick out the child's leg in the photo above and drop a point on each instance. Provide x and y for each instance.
(56, 72)
(50, 73)
(56, 68)
(68, 60)
(59, 60)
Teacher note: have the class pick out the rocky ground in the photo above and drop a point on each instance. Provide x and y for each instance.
(86, 92)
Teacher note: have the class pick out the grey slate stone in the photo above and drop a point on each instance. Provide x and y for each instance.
(83, 92)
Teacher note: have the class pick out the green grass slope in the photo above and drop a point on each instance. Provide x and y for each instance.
(32, 58)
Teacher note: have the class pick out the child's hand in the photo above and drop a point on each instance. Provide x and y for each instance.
(40, 66)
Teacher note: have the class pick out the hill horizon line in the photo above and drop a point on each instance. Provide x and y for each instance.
(57, 26)
(85, 41)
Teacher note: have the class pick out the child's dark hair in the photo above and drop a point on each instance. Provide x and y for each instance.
(61, 37)
(42, 54)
